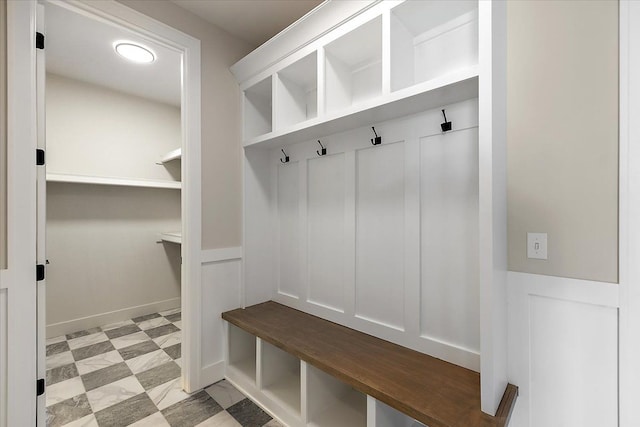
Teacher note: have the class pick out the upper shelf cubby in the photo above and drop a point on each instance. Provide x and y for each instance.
(297, 92)
(353, 67)
(258, 109)
(432, 39)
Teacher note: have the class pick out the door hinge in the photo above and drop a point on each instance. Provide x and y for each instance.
(39, 157)
(40, 387)
(39, 272)
(39, 41)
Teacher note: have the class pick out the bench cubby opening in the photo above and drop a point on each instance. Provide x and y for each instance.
(258, 109)
(385, 416)
(281, 376)
(242, 352)
(297, 92)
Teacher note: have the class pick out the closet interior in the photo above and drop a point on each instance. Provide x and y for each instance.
(113, 135)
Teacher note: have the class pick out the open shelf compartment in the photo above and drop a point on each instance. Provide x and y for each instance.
(353, 67)
(297, 92)
(258, 109)
(385, 416)
(331, 403)
(281, 376)
(242, 352)
(432, 39)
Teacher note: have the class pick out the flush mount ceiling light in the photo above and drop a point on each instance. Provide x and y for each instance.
(134, 52)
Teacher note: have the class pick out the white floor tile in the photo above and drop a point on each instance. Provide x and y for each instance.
(117, 325)
(221, 419)
(59, 359)
(169, 340)
(169, 312)
(225, 394)
(87, 340)
(147, 361)
(178, 324)
(168, 393)
(153, 323)
(116, 392)
(98, 362)
(64, 390)
(179, 362)
(131, 339)
(55, 340)
(88, 421)
(273, 423)
(155, 420)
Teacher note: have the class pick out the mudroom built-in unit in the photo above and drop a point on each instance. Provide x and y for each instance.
(374, 197)
(113, 159)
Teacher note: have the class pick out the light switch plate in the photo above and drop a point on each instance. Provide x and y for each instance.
(537, 245)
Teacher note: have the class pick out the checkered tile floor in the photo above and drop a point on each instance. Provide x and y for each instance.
(128, 374)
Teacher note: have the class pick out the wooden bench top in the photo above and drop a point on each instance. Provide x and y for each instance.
(430, 390)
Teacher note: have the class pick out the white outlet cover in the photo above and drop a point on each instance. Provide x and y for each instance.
(537, 245)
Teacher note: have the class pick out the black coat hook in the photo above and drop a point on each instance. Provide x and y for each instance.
(378, 139)
(446, 126)
(322, 151)
(286, 158)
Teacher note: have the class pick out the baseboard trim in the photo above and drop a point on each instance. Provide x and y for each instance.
(69, 326)
(212, 374)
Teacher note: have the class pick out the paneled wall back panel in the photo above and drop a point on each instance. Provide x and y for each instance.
(288, 229)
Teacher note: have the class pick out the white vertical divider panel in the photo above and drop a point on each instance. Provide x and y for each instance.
(289, 229)
(412, 236)
(259, 373)
(350, 234)
(380, 246)
(304, 393)
(303, 246)
(322, 86)
(386, 52)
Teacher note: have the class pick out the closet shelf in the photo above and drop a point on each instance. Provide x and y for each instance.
(172, 237)
(448, 89)
(103, 180)
(171, 155)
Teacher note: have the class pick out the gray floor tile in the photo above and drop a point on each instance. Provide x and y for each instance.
(174, 317)
(225, 394)
(83, 333)
(59, 347)
(138, 349)
(159, 375)
(122, 331)
(174, 351)
(161, 330)
(92, 350)
(127, 412)
(103, 376)
(249, 414)
(191, 411)
(68, 410)
(61, 373)
(146, 317)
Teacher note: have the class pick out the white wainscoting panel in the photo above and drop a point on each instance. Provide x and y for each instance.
(288, 227)
(449, 197)
(563, 351)
(380, 234)
(325, 210)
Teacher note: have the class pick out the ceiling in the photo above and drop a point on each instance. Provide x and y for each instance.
(254, 21)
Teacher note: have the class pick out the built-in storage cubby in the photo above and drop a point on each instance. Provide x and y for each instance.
(430, 39)
(386, 416)
(281, 376)
(353, 67)
(258, 109)
(297, 92)
(332, 403)
(242, 353)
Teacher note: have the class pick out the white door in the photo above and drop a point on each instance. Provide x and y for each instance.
(18, 321)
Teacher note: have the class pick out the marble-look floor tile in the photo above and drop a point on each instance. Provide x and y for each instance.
(61, 373)
(128, 340)
(249, 414)
(115, 392)
(145, 317)
(174, 317)
(138, 349)
(88, 421)
(178, 324)
(159, 375)
(221, 419)
(99, 361)
(127, 412)
(168, 393)
(83, 333)
(87, 340)
(175, 351)
(153, 323)
(122, 331)
(103, 376)
(273, 423)
(170, 312)
(155, 420)
(59, 359)
(178, 362)
(116, 325)
(64, 390)
(161, 331)
(59, 347)
(55, 340)
(169, 340)
(69, 410)
(148, 361)
(191, 411)
(92, 350)
(225, 394)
